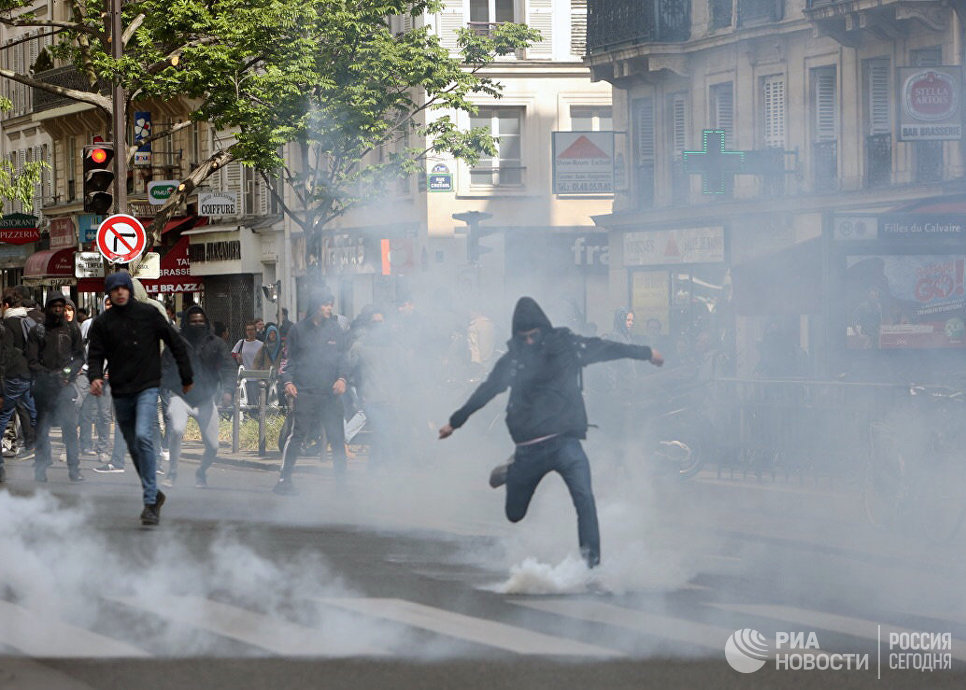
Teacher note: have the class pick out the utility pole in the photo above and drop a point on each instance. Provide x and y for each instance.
(120, 119)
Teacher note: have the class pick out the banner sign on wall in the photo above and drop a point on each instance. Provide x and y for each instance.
(142, 130)
(583, 162)
(678, 246)
(930, 103)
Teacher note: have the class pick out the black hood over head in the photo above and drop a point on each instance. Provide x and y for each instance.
(528, 315)
(316, 298)
(191, 310)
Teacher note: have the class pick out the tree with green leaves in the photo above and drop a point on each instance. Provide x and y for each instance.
(18, 185)
(312, 88)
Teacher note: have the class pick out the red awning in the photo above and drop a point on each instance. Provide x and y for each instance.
(50, 263)
(179, 223)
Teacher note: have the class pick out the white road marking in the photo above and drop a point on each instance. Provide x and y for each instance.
(660, 626)
(275, 635)
(37, 635)
(478, 630)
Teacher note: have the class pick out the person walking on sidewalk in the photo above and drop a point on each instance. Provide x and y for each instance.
(214, 376)
(315, 376)
(545, 413)
(129, 337)
(55, 355)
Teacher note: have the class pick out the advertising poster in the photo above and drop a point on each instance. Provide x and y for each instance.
(906, 302)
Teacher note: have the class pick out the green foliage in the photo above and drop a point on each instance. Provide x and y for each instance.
(327, 77)
(16, 186)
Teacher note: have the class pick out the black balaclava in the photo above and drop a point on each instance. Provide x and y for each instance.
(51, 321)
(194, 334)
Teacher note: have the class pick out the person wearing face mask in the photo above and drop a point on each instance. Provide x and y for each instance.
(214, 377)
(545, 413)
(314, 375)
(55, 355)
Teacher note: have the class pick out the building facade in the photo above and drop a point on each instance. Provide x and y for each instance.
(816, 97)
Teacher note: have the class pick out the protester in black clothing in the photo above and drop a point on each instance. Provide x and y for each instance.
(315, 375)
(18, 393)
(129, 337)
(545, 413)
(214, 378)
(55, 355)
(286, 325)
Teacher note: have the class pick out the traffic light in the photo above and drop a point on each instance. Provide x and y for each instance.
(98, 178)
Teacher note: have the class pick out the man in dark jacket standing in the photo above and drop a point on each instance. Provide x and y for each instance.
(129, 336)
(315, 376)
(545, 413)
(55, 355)
(214, 376)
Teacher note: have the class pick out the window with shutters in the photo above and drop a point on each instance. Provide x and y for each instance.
(484, 15)
(928, 154)
(772, 89)
(721, 104)
(642, 118)
(540, 17)
(505, 169)
(876, 97)
(578, 27)
(677, 118)
(825, 127)
(591, 118)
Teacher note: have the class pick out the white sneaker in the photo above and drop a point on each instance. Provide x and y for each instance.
(165, 455)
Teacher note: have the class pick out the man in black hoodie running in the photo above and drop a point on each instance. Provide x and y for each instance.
(129, 336)
(214, 377)
(545, 413)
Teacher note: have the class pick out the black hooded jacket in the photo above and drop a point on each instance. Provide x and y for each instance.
(129, 338)
(544, 378)
(55, 348)
(213, 368)
(315, 355)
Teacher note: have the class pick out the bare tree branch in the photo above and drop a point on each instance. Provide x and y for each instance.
(95, 99)
(73, 26)
(219, 159)
(132, 27)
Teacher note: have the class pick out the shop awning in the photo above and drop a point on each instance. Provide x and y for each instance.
(785, 283)
(55, 266)
(179, 223)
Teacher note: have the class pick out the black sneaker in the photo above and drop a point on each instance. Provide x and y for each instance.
(285, 488)
(498, 475)
(107, 468)
(151, 515)
(201, 482)
(75, 476)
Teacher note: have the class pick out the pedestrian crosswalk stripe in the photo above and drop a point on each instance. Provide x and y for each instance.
(469, 628)
(693, 633)
(278, 636)
(844, 625)
(35, 634)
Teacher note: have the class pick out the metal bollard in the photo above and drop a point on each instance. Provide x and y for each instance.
(262, 404)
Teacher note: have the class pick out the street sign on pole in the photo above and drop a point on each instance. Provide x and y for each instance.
(121, 238)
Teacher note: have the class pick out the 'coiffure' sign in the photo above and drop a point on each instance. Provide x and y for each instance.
(930, 101)
(217, 203)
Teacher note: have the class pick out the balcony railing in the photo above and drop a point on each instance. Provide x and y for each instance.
(68, 77)
(611, 23)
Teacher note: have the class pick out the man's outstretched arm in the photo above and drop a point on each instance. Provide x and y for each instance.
(600, 350)
(497, 382)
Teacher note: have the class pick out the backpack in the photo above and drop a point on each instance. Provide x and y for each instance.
(26, 324)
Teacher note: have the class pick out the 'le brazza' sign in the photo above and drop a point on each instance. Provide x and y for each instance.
(18, 228)
(930, 103)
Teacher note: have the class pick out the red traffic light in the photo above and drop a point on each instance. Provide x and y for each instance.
(98, 155)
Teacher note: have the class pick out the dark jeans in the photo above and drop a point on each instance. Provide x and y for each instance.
(56, 405)
(566, 457)
(137, 418)
(17, 393)
(311, 409)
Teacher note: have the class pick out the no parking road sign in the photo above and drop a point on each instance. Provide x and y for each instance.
(121, 238)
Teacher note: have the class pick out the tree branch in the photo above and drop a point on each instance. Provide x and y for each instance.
(160, 135)
(73, 26)
(132, 27)
(219, 159)
(95, 99)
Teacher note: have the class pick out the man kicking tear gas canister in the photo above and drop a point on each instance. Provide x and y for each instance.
(545, 413)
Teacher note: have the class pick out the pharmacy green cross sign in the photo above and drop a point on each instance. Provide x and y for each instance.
(714, 163)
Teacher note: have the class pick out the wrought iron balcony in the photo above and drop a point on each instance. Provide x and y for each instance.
(613, 23)
(68, 77)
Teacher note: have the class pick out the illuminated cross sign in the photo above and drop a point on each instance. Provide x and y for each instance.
(714, 163)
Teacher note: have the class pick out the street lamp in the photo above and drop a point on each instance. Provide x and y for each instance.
(473, 233)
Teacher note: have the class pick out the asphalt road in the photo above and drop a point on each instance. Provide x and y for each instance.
(412, 578)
